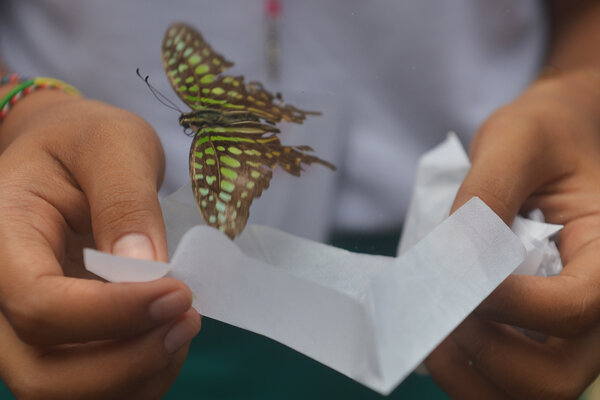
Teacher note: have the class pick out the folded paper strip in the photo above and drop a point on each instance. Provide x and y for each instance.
(372, 318)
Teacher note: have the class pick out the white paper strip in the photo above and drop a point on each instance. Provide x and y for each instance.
(371, 318)
(440, 174)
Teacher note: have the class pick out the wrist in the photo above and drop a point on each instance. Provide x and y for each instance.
(6, 88)
(20, 100)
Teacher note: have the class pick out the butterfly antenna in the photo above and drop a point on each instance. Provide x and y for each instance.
(164, 100)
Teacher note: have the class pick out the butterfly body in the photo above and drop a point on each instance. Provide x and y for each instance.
(235, 145)
(202, 118)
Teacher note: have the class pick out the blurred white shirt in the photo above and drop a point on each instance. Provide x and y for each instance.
(391, 77)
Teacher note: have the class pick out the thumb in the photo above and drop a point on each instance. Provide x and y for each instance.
(507, 166)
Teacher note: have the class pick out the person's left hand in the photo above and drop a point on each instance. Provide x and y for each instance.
(541, 151)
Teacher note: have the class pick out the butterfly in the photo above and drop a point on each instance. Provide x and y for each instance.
(235, 146)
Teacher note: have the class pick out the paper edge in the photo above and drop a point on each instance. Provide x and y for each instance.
(98, 263)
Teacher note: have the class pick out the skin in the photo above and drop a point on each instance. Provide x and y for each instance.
(76, 173)
(540, 151)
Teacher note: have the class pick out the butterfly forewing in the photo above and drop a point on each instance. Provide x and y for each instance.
(191, 64)
(194, 69)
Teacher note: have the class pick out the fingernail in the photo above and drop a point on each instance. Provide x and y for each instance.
(134, 245)
(169, 306)
(181, 333)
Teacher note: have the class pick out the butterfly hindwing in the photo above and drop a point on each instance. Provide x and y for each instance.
(227, 174)
(228, 171)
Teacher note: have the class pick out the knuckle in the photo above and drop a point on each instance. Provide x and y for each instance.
(122, 123)
(123, 206)
(557, 380)
(476, 339)
(437, 361)
(179, 285)
(26, 316)
(585, 312)
(506, 121)
(105, 126)
(559, 389)
(480, 349)
(33, 384)
(28, 389)
(566, 391)
(493, 198)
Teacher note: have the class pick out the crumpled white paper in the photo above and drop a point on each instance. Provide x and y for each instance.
(440, 174)
(372, 318)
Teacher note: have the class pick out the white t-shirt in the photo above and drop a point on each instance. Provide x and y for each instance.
(391, 77)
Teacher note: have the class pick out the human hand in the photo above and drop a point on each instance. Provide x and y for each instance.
(78, 173)
(541, 151)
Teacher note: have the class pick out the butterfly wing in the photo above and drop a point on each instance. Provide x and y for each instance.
(229, 168)
(191, 64)
(194, 69)
(230, 164)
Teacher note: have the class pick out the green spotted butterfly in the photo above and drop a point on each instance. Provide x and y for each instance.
(235, 145)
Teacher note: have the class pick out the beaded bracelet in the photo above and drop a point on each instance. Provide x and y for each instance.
(11, 78)
(28, 86)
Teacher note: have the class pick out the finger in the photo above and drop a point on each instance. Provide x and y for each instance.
(121, 183)
(157, 386)
(455, 375)
(525, 368)
(47, 308)
(564, 305)
(44, 307)
(508, 163)
(131, 362)
(102, 369)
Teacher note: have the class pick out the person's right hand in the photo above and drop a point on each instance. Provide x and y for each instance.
(78, 173)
